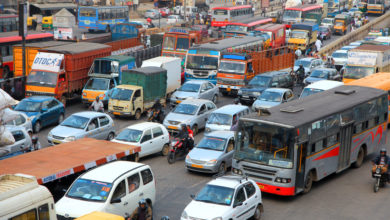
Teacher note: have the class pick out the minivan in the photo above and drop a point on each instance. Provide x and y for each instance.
(115, 188)
(226, 118)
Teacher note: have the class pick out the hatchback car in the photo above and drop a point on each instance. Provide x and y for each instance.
(174, 19)
(152, 13)
(151, 137)
(83, 124)
(308, 64)
(272, 97)
(321, 74)
(22, 142)
(42, 111)
(213, 154)
(325, 32)
(227, 197)
(193, 112)
(21, 119)
(259, 83)
(196, 89)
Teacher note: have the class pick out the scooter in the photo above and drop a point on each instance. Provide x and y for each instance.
(379, 172)
(177, 150)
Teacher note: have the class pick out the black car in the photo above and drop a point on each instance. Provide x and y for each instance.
(276, 79)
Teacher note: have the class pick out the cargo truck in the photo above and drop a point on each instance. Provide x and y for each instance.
(303, 36)
(366, 60)
(237, 69)
(342, 23)
(62, 71)
(104, 76)
(138, 91)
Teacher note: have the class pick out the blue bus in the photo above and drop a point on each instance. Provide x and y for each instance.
(102, 18)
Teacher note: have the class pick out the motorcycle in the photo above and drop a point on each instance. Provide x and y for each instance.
(379, 172)
(177, 149)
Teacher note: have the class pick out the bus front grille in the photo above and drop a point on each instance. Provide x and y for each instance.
(258, 170)
(260, 177)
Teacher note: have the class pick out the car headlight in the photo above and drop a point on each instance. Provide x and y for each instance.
(217, 218)
(208, 130)
(84, 94)
(50, 135)
(184, 215)
(237, 171)
(256, 94)
(70, 138)
(188, 158)
(212, 162)
(239, 92)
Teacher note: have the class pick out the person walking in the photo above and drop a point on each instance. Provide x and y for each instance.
(97, 105)
(318, 45)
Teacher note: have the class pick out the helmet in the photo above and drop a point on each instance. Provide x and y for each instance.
(149, 20)
(300, 65)
(236, 100)
(34, 139)
(383, 151)
(165, 218)
(142, 202)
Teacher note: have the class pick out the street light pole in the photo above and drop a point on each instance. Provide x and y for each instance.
(23, 32)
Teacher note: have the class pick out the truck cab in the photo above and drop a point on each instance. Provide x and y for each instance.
(303, 36)
(104, 77)
(126, 100)
(342, 22)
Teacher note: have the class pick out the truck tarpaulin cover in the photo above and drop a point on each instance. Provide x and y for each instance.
(362, 58)
(48, 61)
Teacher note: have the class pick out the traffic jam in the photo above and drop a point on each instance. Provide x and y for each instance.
(116, 111)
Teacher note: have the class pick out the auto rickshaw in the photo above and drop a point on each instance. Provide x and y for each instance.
(47, 23)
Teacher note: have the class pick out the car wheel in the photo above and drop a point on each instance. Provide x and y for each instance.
(61, 118)
(215, 99)
(37, 126)
(111, 136)
(195, 129)
(222, 169)
(165, 150)
(258, 211)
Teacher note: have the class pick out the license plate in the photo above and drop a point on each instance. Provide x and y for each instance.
(178, 101)
(197, 166)
(228, 89)
(56, 142)
(245, 96)
(377, 175)
(116, 113)
(172, 127)
(260, 186)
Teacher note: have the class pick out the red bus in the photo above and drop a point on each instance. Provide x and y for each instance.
(7, 40)
(298, 13)
(276, 32)
(8, 22)
(221, 16)
(244, 27)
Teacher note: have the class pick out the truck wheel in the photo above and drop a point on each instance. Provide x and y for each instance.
(308, 183)
(63, 100)
(137, 114)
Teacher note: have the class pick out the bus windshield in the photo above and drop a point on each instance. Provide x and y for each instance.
(358, 72)
(202, 62)
(97, 84)
(290, 14)
(265, 144)
(220, 12)
(232, 67)
(236, 28)
(42, 78)
(182, 43)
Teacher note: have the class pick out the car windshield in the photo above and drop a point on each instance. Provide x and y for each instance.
(232, 67)
(323, 74)
(305, 63)
(323, 29)
(212, 143)
(186, 109)
(327, 21)
(309, 91)
(215, 194)
(339, 55)
(28, 106)
(189, 87)
(298, 34)
(260, 81)
(129, 135)
(42, 78)
(358, 72)
(220, 119)
(89, 190)
(202, 62)
(121, 94)
(97, 84)
(75, 121)
(270, 96)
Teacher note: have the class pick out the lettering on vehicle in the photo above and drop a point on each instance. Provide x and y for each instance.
(48, 61)
(62, 174)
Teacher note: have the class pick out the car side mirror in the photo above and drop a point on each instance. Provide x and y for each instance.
(238, 204)
(116, 200)
(192, 196)
(44, 110)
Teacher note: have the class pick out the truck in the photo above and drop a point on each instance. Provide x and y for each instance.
(342, 23)
(62, 71)
(303, 36)
(237, 69)
(366, 60)
(21, 197)
(138, 90)
(104, 76)
(56, 167)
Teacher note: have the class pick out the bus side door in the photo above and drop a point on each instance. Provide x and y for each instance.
(301, 164)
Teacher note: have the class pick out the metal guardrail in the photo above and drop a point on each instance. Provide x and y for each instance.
(358, 34)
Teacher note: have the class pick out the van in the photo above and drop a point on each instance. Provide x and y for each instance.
(21, 197)
(114, 188)
(319, 86)
(226, 118)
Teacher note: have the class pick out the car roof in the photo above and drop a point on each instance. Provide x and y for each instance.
(195, 101)
(38, 98)
(196, 82)
(220, 134)
(227, 181)
(279, 90)
(89, 114)
(307, 59)
(231, 109)
(144, 125)
(324, 84)
(111, 171)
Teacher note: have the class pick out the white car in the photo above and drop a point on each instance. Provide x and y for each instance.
(174, 19)
(151, 137)
(225, 198)
(21, 120)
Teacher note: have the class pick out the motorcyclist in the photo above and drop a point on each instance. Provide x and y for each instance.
(382, 159)
(157, 110)
(190, 137)
(143, 211)
(300, 74)
(184, 136)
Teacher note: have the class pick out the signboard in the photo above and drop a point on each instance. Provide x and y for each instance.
(63, 33)
(362, 58)
(48, 61)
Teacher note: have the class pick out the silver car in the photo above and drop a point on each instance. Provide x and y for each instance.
(152, 13)
(21, 120)
(213, 154)
(193, 112)
(83, 124)
(272, 97)
(308, 63)
(22, 142)
(197, 89)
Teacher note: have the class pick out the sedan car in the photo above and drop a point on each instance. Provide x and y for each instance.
(152, 13)
(42, 111)
(22, 142)
(165, 12)
(21, 119)
(193, 112)
(196, 89)
(308, 64)
(325, 32)
(227, 197)
(213, 154)
(151, 137)
(272, 97)
(83, 124)
(321, 74)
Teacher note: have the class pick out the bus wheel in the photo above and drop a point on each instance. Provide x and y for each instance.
(308, 183)
(359, 160)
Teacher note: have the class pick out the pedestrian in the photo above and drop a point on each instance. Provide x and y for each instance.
(97, 105)
(83, 36)
(263, 12)
(308, 52)
(318, 45)
(7, 87)
(298, 53)
(19, 91)
(35, 145)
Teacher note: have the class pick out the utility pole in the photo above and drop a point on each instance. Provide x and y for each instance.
(23, 31)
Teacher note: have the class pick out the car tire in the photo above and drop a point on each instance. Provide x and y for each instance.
(258, 212)
(222, 169)
(60, 118)
(165, 150)
(111, 136)
(195, 130)
(215, 99)
(37, 126)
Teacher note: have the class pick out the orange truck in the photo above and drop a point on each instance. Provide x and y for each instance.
(62, 71)
(237, 69)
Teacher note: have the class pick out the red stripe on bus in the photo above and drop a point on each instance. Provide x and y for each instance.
(278, 190)
(232, 8)
(332, 153)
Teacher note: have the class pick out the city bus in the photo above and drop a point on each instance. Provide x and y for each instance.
(102, 18)
(336, 7)
(298, 13)
(221, 16)
(377, 81)
(8, 22)
(245, 26)
(202, 61)
(376, 7)
(8, 39)
(288, 147)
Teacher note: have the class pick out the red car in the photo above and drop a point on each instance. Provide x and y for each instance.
(165, 12)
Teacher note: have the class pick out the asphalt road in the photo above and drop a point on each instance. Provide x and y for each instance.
(347, 195)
